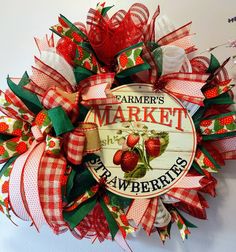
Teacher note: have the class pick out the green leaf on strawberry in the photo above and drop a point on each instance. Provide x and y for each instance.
(138, 172)
(231, 126)
(7, 172)
(217, 125)
(129, 53)
(25, 137)
(17, 125)
(11, 145)
(68, 33)
(137, 52)
(130, 63)
(5, 154)
(114, 215)
(164, 143)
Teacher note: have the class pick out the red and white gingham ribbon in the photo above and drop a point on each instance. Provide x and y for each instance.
(82, 140)
(185, 86)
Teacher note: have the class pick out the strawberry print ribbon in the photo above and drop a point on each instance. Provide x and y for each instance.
(115, 216)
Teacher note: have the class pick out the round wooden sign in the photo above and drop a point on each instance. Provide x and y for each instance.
(148, 142)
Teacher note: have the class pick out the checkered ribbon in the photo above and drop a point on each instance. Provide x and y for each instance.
(74, 146)
(227, 147)
(95, 90)
(143, 211)
(185, 86)
(150, 215)
(69, 102)
(181, 37)
(51, 172)
(190, 197)
(82, 140)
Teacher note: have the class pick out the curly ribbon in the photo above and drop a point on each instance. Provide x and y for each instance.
(110, 36)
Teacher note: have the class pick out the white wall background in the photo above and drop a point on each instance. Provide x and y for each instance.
(21, 20)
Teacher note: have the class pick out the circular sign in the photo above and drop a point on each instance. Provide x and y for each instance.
(148, 142)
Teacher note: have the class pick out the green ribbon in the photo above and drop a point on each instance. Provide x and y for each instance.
(210, 157)
(113, 227)
(223, 99)
(7, 164)
(214, 64)
(28, 98)
(73, 218)
(158, 56)
(198, 168)
(60, 121)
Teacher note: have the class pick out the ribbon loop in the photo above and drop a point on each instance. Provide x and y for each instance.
(37, 133)
(83, 140)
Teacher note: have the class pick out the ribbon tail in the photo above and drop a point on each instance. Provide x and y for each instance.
(150, 215)
(112, 224)
(51, 172)
(189, 182)
(30, 182)
(122, 242)
(137, 210)
(16, 198)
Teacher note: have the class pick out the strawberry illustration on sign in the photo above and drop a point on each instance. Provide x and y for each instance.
(129, 161)
(139, 147)
(152, 146)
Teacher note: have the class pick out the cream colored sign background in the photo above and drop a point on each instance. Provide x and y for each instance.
(182, 142)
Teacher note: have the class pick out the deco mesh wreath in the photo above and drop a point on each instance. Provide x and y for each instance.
(90, 147)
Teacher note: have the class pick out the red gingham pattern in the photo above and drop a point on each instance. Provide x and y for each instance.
(187, 196)
(149, 34)
(227, 147)
(16, 101)
(43, 80)
(53, 74)
(97, 80)
(186, 86)
(35, 88)
(52, 99)
(150, 215)
(51, 174)
(175, 35)
(231, 155)
(186, 76)
(74, 146)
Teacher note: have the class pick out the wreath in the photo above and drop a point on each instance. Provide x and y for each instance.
(88, 138)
